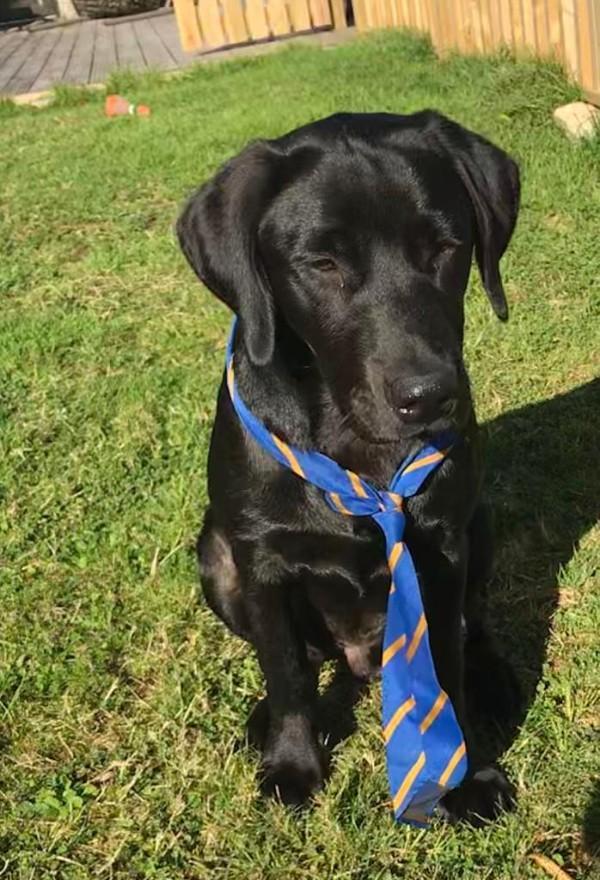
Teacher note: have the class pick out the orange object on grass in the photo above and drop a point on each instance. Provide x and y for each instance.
(116, 105)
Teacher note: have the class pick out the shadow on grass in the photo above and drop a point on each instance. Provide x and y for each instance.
(543, 482)
(591, 825)
(544, 486)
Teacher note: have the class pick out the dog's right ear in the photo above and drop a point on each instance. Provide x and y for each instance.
(217, 231)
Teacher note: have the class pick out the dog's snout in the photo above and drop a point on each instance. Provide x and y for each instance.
(422, 400)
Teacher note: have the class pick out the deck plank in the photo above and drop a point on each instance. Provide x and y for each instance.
(128, 51)
(80, 63)
(16, 60)
(155, 52)
(105, 55)
(9, 43)
(166, 29)
(53, 71)
(39, 59)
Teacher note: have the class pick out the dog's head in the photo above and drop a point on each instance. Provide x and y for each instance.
(356, 234)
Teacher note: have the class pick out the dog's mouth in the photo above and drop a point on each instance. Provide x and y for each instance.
(401, 433)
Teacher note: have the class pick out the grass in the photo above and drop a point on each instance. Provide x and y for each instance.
(121, 697)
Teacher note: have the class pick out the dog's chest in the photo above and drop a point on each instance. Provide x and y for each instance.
(345, 581)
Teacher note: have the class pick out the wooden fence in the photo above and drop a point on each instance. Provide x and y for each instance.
(214, 24)
(568, 30)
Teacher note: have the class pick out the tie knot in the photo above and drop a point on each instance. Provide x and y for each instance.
(371, 503)
(392, 502)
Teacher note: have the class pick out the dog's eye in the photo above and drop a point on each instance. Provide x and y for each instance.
(324, 264)
(329, 271)
(443, 249)
(448, 244)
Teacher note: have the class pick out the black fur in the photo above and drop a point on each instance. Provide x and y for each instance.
(345, 249)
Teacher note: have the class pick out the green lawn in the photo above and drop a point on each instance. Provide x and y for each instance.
(122, 699)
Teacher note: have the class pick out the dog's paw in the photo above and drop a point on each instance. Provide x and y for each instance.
(493, 690)
(480, 799)
(294, 764)
(292, 783)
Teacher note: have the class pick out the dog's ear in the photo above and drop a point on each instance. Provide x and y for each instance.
(491, 179)
(217, 231)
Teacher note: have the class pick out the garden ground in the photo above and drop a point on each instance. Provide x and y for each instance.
(122, 698)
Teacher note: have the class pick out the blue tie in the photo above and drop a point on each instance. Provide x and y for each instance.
(425, 748)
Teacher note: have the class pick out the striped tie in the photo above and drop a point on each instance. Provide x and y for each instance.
(425, 748)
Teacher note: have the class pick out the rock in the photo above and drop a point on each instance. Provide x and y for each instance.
(578, 120)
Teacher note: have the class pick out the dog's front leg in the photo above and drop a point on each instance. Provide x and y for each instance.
(293, 764)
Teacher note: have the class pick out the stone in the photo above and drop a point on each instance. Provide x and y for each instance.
(578, 120)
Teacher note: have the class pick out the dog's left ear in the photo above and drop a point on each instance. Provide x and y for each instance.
(491, 179)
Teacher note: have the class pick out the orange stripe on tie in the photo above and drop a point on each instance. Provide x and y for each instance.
(458, 754)
(416, 639)
(395, 555)
(339, 503)
(400, 713)
(434, 712)
(285, 450)
(397, 499)
(391, 651)
(230, 378)
(357, 485)
(423, 462)
(408, 781)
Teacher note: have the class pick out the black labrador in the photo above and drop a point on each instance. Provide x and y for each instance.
(344, 248)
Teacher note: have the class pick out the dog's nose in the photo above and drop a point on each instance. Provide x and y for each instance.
(424, 400)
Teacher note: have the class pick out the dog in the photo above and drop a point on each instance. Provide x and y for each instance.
(344, 248)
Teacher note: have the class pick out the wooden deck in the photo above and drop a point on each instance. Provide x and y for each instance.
(86, 52)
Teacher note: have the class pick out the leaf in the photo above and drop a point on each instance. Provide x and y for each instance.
(550, 867)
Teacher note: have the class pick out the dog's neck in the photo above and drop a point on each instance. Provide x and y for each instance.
(291, 398)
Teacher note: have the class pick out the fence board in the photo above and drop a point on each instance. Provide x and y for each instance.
(256, 18)
(542, 41)
(569, 26)
(380, 12)
(486, 25)
(278, 18)
(360, 14)
(320, 14)
(465, 27)
(299, 15)
(187, 25)
(399, 13)
(517, 23)
(446, 13)
(422, 20)
(593, 90)
(209, 15)
(338, 13)
(234, 21)
(477, 27)
(586, 59)
(555, 31)
(495, 24)
(506, 22)
(528, 24)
